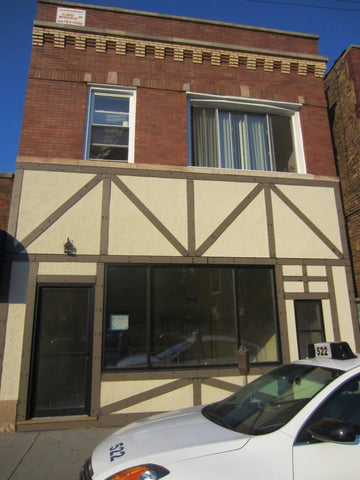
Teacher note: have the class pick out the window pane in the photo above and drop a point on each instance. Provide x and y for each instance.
(226, 144)
(256, 310)
(125, 317)
(176, 316)
(283, 144)
(270, 401)
(109, 103)
(342, 405)
(110, 136)
(109, 143)
(108, 153)
(309, 324)
(236, 139)
(259, 158)
(109, 129)
(110, 118)
(308, 314)
(193, 317)
(240, 142)
(204, 137)
(232, 132)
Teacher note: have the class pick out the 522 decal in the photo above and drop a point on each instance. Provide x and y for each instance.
(116, 451)
(323, 350)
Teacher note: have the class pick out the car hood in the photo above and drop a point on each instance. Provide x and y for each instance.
(163, 439)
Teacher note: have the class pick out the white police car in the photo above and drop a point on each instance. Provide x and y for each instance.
(301, 421)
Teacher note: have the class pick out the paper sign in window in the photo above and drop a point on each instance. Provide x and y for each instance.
(119, 322)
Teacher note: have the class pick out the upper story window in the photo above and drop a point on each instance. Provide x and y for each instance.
(110, 124)
(245, 134)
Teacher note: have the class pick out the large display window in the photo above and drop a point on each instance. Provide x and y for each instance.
(175, 316)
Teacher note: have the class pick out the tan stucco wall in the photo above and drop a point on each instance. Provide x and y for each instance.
(116, 391)
(341, 288)
(133, 231)
(63, 268)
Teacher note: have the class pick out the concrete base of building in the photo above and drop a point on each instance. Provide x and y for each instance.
(7, 415)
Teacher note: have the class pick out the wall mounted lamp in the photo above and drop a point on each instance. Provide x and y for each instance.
(69, 248)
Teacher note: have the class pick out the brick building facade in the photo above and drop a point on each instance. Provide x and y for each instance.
(6, 183)
(163, 215)
(342, 85)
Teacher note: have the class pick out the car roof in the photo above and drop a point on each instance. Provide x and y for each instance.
(343, 365)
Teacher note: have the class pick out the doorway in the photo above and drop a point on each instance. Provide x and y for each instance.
(60, 379)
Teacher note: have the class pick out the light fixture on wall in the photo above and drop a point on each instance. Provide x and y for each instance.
(69, 248)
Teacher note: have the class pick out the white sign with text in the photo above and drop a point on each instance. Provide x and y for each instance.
(70, 16)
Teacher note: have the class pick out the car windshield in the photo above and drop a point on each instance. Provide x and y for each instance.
(272, 400)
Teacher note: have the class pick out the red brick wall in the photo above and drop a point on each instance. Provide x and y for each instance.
(160, 138)
(162, 25)
(55, 110)
(6, 185)
(353, 63)
(342, 87)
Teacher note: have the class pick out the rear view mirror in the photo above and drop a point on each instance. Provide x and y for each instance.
(332, 430)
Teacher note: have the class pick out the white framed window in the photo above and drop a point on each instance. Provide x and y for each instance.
(110, 126)
(245, 134)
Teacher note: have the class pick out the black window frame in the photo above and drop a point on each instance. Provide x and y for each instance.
(300, 331)
(148, 328)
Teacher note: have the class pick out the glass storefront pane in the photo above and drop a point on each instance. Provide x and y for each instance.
(125, 317)
(257, 313)
(163, 316)
(193, 318)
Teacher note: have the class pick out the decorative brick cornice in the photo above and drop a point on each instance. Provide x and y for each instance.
(217, 55)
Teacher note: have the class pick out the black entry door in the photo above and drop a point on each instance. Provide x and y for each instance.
(61, 357)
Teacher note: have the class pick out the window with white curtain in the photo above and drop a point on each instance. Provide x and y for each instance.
(225, 134)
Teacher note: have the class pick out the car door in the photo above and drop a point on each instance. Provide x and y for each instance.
(331, 460)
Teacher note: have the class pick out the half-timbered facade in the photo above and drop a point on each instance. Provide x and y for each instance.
(175, 198)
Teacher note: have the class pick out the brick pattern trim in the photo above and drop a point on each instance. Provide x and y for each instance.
(198, 53)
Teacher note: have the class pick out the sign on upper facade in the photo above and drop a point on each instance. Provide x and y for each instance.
(70, 16)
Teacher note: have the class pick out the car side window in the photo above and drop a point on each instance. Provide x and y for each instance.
(343, 405)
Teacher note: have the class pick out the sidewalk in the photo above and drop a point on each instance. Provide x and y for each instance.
(55, 455)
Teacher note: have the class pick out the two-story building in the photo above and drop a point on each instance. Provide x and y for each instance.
(175, 198)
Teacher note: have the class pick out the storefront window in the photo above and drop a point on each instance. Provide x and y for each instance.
(193, 317)
(187, 316)
(125, 325)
